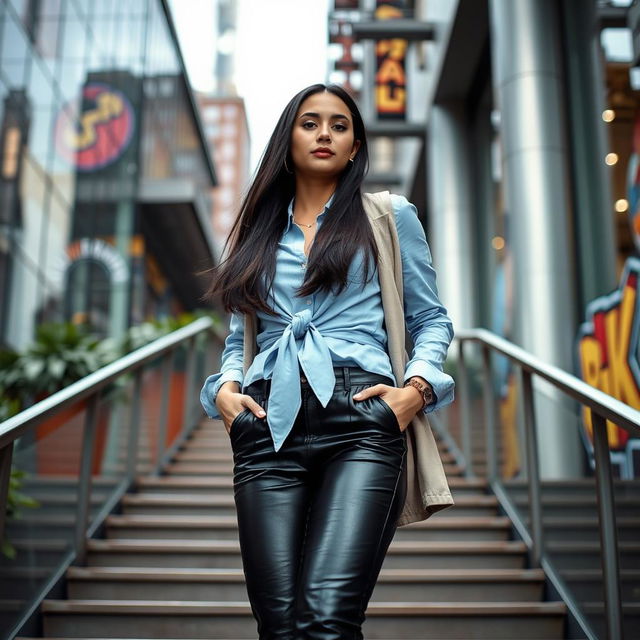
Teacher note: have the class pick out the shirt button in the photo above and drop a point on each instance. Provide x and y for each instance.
(308, 301)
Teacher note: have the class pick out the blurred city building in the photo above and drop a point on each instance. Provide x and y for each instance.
(225, 124)
(227, 132)
(514, 127)
(106, 173)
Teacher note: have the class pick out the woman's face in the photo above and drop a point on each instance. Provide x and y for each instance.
(323, 122)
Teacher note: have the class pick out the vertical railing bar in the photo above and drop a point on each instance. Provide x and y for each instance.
(85, 477)
(167, 370)
(489, 413)
(6, 454)
(134, 427)
(608, 533)
(465, 409)
(533, 470)
(188, 386)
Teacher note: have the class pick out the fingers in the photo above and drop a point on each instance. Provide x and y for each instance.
(246, 402)
(376, 390)
(255, 408)
(249, 403)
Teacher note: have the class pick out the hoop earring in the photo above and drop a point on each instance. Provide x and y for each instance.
(285, 166)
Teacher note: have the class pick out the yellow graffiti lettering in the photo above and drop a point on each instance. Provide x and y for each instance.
(614, 377)
(389, 103)
(387, 12)
(395, 48)
(618, 324)
(108, 106)
(391, 71)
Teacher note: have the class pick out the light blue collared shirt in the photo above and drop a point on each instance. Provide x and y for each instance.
(323, 330)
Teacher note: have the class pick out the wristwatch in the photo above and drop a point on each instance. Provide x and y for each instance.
(424, 389)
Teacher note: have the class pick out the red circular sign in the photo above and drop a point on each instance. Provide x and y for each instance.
(101, 133)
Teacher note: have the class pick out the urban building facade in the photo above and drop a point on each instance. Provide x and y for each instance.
(227, 131)
(106, 174)
(512, 127)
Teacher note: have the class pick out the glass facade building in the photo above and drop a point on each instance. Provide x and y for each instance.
(105, 171)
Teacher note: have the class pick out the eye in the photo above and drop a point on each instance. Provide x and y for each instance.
(304, 124)
(341, 127)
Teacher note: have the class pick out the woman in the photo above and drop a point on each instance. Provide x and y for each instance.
(317, 424)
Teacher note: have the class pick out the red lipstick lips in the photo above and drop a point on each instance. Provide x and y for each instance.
(322, 152)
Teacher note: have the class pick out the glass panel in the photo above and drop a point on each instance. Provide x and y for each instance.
(41, 108)
(113, 426)
(41, 533)
(13, 54)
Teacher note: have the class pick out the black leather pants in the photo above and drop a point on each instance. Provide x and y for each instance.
(316, 518)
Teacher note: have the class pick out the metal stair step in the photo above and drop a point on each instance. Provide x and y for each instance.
(223, 503)
(430, 585)
(226, 554)
(206, 482)
(79, 618)
(226, 527)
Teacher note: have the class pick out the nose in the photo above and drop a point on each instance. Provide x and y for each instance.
(324, 132)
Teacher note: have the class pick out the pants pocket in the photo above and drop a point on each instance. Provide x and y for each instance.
(390, 412)
(233, 427)
(242, 423)
(377, 409)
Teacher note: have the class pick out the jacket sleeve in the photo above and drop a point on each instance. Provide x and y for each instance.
(232, 366)
(427, 321)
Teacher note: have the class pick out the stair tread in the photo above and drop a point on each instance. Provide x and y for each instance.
(571, 482)
(578, 546)
(585, 521)
(575, 500)
(405, 575)
(172, 607)
(196, 521)
(207, 480)
(212, 499)
(399, 546)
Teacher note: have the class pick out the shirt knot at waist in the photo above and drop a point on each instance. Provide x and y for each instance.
(300, 322)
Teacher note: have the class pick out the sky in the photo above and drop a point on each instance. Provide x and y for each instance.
(281, 47)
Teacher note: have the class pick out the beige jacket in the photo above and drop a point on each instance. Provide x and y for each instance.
(427, 488)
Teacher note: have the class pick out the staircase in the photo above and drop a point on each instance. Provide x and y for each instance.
(170, 566)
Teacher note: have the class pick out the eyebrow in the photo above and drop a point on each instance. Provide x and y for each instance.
(317, 115)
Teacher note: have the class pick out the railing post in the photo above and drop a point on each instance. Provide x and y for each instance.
(465, 411)
(84, 481)
(134, 427)
(533, 472)
(188, 385)
(489, 414)
(167, 370)
(608, 533)
(6, 454)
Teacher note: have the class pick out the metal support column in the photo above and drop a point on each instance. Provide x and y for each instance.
(529, 85)
(450, 189)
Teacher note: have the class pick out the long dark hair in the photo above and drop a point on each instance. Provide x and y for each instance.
(250, 264)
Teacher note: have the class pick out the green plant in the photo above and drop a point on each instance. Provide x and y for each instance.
(15, 500)
(60, 354)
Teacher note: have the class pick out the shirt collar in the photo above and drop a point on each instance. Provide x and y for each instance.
(319, 218)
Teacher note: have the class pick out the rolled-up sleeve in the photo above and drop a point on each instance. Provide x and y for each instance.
(429, 325)
(231, 368)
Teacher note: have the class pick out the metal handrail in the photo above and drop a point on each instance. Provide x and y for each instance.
(603, 407)
(17, 425)
(90, 389)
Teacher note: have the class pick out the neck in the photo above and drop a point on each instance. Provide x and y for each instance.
(310, 198)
